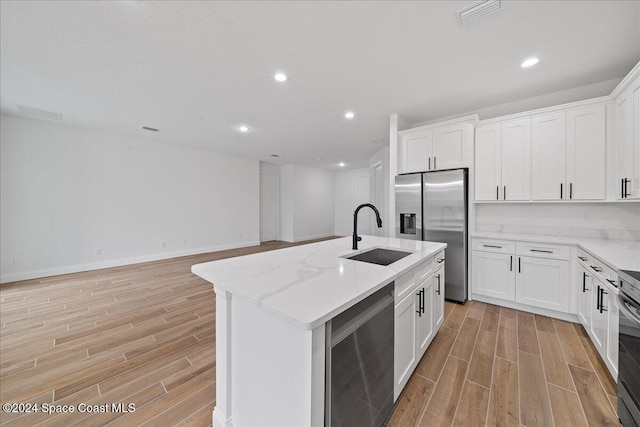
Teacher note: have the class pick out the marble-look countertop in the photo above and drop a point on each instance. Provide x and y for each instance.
(310, 284)
(618, 254)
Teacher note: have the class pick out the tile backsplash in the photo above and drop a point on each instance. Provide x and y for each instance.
(619, 221)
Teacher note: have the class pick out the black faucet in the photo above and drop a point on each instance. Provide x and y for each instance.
(357, 238)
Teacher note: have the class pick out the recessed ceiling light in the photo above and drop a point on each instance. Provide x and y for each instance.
(341, 164)
(243, 128)
(318, 159)
(280, 77)
(349, 115)
(529, 62)
(149, 128)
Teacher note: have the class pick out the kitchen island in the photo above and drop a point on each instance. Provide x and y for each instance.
(271, 310)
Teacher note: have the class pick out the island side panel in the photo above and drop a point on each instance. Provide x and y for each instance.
(277, 369)
(221, 416)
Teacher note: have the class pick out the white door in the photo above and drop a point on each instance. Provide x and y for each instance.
(585, 153)
(404, 348)
(425, 318)
(634, 187)
(448, 148)
(543, 283)
(376, 195)
(416, 151)
(493, 275)
(360, 196)
(488, 158)
(628, 141)
(548, 165)
(585, 292)
(516, 160)
(269, 203)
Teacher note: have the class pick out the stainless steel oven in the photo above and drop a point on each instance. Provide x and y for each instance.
(629, 354)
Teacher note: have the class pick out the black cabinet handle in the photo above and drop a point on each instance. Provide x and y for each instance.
(497, 192)
(561, 190)
(511, 263)
(519, 266)
(435, 162)
(438, 291)
(492, 246)
(440, 260)
(419, 310)
(422, 300)
(626, 182)
(622, 188)
(570, 190)
(429, 164)
(596, 269)
(504, 193)
(581, 258)
(584, 282)
(598, 299)
(540, 250)
(601, 294)
(613, 282)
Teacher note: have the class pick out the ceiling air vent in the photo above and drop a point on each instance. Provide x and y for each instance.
(41, 114)
(478, 10)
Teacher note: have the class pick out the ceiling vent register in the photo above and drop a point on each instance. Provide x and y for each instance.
(478, 10)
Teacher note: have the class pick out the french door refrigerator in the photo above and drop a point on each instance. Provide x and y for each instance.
(433, 206)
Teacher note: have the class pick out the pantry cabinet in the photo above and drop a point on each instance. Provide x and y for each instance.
(627, 105)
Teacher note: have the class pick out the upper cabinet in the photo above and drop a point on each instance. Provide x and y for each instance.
(558, 155)
(435, 147)
(627, 106)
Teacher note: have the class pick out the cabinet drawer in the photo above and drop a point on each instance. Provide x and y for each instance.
(584, 256)
(491, 245)
(599, 269)
(542, 250)
(404, 285)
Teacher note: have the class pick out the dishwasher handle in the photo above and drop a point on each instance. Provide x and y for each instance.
(353, 324)
(622, 306)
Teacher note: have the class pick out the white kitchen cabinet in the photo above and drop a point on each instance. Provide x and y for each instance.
(628, 141)
(488, 162)
(548, 156)
(599, 318)
(586, 140)
(425, 328)
(613, 326)
(492, 274)
(585, 293)
(516, 160)
(405, 341)
(438, 298)
(435, 147)
(543, 282)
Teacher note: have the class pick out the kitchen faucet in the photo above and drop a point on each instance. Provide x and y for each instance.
(357, 238)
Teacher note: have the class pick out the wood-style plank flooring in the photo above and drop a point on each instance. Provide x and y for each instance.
(493, 366)
(145, 334)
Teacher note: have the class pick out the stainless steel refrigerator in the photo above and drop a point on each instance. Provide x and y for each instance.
(433, 206)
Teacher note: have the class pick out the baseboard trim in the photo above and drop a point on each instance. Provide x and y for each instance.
(528, 308)
(57, 271)
(311, 237)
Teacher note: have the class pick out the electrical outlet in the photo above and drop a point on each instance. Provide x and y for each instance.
(14, 261)
(587, 216)
(99, 251)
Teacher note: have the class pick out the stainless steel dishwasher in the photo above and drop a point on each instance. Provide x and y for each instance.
(359, 363)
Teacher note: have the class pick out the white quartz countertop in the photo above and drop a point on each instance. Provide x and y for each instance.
(310, 284)
(618, 254)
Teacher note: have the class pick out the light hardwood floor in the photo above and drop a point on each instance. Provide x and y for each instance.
(145, 334)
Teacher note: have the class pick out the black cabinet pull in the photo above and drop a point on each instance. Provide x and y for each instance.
(504, 193)
(602, 294)
(584, 282)
(570, 190)
(598, 298)
(492, 246)
(422, 300)
(561, 190)
(497, 192)
(624, 192)
(540, 250)
(519, 266)
(435, 162)
(596, 269)
(440, 260)
(581, 258)
(613, 282)
(419, 310)
(622, 188)
(438, 291)
(429, 164)
(511, 263)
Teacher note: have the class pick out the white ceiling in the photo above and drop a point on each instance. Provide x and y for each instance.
(197, 70)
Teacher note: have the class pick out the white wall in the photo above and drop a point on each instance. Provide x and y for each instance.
(607, 220)
(306, 203)
(381, 157)
(349, 188)
(68, 194)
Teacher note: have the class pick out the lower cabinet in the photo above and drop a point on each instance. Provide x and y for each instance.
(532, 274)
(584, 297)
(418, 316)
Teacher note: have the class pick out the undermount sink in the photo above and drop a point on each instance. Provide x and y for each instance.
(380, 256)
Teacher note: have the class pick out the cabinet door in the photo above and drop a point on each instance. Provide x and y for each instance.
(585, 153)
(450, 147)
(405, 346)
(488, 159)
(628, 142)
(438, 299)
(584, 297)
(493, 275)
(416, 151)
(516, 160)
(598, 328)
(424, 329)
(543, 283)
(634, 186)
(613, 318)
(548, 165)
